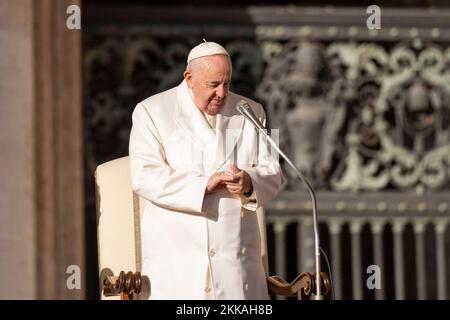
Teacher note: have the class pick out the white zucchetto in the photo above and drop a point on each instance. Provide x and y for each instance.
(206, 49)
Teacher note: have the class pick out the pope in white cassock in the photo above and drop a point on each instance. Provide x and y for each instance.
(203, 172)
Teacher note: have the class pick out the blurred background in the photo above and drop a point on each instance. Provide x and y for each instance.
(361, 102)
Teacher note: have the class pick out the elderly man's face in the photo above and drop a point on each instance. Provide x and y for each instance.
(209, 81)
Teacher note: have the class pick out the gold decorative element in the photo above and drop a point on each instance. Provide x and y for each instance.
(128, 283)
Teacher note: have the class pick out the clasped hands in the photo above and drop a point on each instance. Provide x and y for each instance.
(237, 181)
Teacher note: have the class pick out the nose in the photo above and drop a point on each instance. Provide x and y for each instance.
(221, 91)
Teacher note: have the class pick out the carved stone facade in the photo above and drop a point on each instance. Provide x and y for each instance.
(360, 117)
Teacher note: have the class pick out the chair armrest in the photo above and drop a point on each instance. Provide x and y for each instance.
(124, 285)
(302, 286)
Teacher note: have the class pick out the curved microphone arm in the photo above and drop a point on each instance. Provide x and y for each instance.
(244, 108)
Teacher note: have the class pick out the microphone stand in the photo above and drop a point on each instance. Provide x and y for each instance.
(260, 128)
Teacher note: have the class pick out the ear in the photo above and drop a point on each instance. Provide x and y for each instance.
(188, 77)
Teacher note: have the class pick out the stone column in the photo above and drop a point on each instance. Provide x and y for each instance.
(17, 187)
(41, 194)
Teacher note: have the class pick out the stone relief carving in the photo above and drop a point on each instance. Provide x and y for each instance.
(357, 117)
(305, 104)
(408, 120)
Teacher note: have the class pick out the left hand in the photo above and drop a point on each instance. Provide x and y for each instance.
(241, 183)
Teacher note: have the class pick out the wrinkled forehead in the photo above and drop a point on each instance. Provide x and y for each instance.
(217, 63)
(217, 68)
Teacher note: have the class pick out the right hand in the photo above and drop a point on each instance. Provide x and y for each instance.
(217, 181)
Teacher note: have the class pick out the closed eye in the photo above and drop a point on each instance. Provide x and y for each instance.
(212, 84)
(215, 84)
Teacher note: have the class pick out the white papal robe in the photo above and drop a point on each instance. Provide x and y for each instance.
(197, 246)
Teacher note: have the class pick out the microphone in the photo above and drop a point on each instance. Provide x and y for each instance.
(244, 108)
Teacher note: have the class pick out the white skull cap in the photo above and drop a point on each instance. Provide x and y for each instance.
(206, 49)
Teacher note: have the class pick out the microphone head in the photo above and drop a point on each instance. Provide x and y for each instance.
(242, 106)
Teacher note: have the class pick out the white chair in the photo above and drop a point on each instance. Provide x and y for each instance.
(119, 212)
